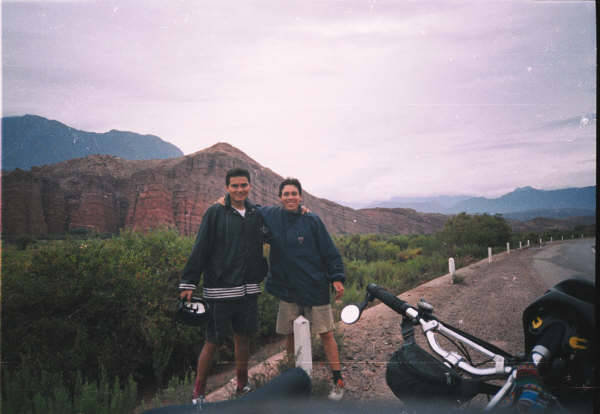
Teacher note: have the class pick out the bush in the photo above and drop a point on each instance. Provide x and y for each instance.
(480, 230)
(76, 306)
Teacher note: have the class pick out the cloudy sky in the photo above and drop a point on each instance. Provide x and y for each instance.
(360, 99)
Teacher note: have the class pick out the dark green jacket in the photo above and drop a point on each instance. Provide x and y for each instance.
(228, 253)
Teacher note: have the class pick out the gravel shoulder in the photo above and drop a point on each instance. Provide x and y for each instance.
(487, 303)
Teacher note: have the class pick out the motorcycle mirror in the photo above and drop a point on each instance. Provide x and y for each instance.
(350, 314)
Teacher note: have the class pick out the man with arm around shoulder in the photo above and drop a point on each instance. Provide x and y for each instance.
(228, 254)
(305, 264)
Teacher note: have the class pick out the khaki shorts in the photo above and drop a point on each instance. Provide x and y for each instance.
(320, 317)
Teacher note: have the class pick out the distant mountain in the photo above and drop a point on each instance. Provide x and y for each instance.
(523, 203)
(32, 140)
(433, 204)
(527, 198)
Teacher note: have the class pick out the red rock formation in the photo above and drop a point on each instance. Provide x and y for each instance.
(107, 193)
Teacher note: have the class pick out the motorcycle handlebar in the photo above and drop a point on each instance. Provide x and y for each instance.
(392, 301)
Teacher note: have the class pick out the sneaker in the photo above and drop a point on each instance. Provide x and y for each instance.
(199, 401)
(337, 392)
(244, 390)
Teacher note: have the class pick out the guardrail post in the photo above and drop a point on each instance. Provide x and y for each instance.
(507, 248)
(489, 255)
(302, 346)
(520, 245)
(452, 269)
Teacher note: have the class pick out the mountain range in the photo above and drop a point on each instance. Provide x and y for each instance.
(125, 190)
(523, 203)
(32, 140)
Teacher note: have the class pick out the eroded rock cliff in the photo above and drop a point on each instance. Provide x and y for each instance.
(107, 193)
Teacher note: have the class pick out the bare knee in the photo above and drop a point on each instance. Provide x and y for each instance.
(327, 336)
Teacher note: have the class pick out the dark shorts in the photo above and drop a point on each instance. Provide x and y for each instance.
(241, 315)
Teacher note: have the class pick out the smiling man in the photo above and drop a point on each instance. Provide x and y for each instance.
(228, 254)
(304, 265)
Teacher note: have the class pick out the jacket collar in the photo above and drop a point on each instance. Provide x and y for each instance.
(247, 204)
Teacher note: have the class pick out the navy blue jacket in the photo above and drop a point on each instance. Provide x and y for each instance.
(304, 261)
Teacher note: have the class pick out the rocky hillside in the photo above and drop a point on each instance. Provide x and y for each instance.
(32, 140)
(107, 193)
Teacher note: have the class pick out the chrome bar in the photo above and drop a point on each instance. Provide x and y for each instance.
(502, 392)
(455, 359)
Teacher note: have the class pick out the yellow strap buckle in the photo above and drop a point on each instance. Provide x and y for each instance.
(536, 323)
(578, 343)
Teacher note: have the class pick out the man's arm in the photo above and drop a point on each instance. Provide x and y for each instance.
(331, 257)
(199, 256)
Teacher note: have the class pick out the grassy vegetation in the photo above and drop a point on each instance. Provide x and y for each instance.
(88, 321)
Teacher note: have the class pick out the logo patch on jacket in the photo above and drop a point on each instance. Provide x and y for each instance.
(300, 239)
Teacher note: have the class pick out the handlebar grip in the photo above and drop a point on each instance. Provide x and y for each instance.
(389, 299)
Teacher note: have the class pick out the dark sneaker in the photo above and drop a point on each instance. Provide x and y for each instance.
(337, 392)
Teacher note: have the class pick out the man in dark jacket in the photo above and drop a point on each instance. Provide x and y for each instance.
(228, 253)
(304, 265)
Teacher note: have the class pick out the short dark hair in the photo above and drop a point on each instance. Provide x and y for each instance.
(290, 181)
(236, 172)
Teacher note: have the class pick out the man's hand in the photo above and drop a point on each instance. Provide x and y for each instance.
(186, 294)
(339, 289)
(304, 210)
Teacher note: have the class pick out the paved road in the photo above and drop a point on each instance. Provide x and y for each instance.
(569, 259)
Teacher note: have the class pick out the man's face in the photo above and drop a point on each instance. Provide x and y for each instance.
(238, 189)
(290, 197)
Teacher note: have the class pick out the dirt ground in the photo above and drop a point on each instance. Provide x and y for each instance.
(487, 303)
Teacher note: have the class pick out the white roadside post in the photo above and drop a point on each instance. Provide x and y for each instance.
(520, 245)
(550, 239)
(302, 347)
(452, 269)
(507, 247)
(528, 244)
(562, 237)
(489, 255)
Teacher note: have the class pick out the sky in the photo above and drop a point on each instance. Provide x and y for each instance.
(362, 100)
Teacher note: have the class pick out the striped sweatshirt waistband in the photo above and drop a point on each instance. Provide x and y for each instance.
(233, 292)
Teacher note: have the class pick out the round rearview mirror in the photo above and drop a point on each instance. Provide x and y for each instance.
(350, 314)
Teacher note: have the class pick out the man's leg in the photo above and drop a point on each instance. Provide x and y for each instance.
(289, 346)
(245, 324)
(242, 353)
(203, 366)
(333, 357)
(286, 314)
(331, 350)
(322, 320)
(216, 329)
